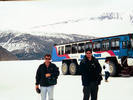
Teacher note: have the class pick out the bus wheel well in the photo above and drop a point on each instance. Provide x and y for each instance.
(113, 59)
(114, 66)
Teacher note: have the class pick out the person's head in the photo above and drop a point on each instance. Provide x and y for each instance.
(88, 53)
(107, 60)
(47, 57)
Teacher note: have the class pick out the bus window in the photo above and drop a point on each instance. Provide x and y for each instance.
(67, 49)
(59, 53)
(105, 45)
(96, 46)
(88, 45)
(115, 44)
(74, 48)
(132, 42)
(62, 50)
(81, 47)
(124, 44)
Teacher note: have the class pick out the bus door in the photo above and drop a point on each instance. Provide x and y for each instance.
(124, 51)
(130, 50)
(130, 46)
(123, 47)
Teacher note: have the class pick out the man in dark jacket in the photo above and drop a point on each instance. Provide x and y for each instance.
(91, 75)
(46, 77)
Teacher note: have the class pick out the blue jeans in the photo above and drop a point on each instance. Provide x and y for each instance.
(45, 90)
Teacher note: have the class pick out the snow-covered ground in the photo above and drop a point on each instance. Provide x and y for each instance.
(17, 82)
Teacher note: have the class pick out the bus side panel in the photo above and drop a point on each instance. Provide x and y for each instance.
(101, 55)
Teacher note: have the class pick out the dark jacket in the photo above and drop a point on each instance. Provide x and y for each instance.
(90, 71)
(42, 70)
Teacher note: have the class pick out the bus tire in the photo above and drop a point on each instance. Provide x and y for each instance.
(113, 69)
(64, 69)
(73, 69)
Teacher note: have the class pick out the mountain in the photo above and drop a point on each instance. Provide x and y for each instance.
(101, 24)
(6, 55)
(36, 41)
(27, 46)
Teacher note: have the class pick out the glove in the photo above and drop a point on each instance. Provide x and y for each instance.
(38, 90)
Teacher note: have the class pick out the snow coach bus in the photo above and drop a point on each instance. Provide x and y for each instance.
(118, 49)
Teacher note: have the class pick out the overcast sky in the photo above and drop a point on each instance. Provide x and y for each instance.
(27, 14)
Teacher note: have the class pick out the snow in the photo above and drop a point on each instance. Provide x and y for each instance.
(107, 24)
(17, 82)
(104, 23)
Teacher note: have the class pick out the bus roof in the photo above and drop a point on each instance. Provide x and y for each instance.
(93, 39)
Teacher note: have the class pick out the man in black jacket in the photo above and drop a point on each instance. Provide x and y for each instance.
(91, 75)
(46, 77)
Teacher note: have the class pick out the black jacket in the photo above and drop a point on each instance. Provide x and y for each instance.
(90, 71)
(42, 70)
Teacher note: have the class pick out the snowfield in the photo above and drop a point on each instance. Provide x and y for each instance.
(17, 82)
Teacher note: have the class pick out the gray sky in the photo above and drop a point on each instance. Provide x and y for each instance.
(27, 14)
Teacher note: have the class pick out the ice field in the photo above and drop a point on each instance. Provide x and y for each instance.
(17, 82)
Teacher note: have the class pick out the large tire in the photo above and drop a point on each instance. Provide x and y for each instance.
(113, 69)
(73, 69)
(64, 69)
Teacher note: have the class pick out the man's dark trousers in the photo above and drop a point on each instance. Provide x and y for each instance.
(91, 89)
(107, 74)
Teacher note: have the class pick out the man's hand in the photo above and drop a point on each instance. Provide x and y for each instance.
(37, 86)
(37, 89)
(47, 75)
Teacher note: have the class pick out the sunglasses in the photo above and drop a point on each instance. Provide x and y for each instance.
(88, 53)
(47, 58)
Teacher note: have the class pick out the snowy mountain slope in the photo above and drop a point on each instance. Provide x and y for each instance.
(104, 24)
(27, 46)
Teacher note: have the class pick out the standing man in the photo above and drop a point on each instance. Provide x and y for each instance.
(91, 75)
(46, 77)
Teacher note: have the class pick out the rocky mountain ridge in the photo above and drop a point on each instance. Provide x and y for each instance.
(27, 46)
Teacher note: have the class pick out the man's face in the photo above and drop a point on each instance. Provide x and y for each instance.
(47, 59)
(88, 54)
